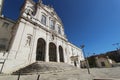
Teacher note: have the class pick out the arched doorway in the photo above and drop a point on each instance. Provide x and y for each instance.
(61, 54)
(40, 53)
(52, 52)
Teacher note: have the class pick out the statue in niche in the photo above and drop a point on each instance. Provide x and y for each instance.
(28, 40)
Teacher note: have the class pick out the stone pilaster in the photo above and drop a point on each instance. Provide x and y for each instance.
(58, 56)
(64, 55)
(47, 49)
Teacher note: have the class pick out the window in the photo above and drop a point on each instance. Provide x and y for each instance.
(59, 30)
(52, 24)
(43, 20)
(3, 43)
(5, 25)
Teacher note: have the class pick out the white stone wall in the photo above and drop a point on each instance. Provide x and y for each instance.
(44, 10)
(5, 32)
(22, 52)
(5, 36)
(74, 51)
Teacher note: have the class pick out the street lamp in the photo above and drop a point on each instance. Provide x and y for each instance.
(86, 61)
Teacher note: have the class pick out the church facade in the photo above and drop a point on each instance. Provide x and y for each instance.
(37, 35)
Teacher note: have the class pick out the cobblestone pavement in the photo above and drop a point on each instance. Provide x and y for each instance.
(106, 72)
(78, 74)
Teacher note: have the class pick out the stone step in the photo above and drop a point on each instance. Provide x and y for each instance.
(45, 67)
(106, 79)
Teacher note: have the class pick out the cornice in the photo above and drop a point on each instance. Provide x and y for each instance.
(40, 26)
(59, 20)
(74, 46)
(43, 7)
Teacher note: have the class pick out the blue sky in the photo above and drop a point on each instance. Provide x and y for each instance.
(94, 23)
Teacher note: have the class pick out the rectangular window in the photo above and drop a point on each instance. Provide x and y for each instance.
(3, 43)
(59, 30)
(43, 20)
(52, 24)
(5, 25)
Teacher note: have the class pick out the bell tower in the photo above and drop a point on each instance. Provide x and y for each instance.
(1, 6)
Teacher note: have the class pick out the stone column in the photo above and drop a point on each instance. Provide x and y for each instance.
(64, 52)
(64, 55)
(58, 56)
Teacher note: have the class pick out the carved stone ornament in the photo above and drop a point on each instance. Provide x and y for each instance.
(52, 37)
(29, 11)
(28, 40)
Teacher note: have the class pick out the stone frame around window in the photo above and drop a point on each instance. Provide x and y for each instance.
(59, 29)
(52, 24)
(43, 19)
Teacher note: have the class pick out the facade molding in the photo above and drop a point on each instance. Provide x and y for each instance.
(32, 41)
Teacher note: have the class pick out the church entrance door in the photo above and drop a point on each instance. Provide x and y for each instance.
(40, 53)
(52, 52)
(61, 54)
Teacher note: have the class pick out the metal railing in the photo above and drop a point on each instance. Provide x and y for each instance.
(19, 75)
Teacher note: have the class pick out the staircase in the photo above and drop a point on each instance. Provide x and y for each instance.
(45, 67)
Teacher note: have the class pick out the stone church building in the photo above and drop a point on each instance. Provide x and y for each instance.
(37, 35)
